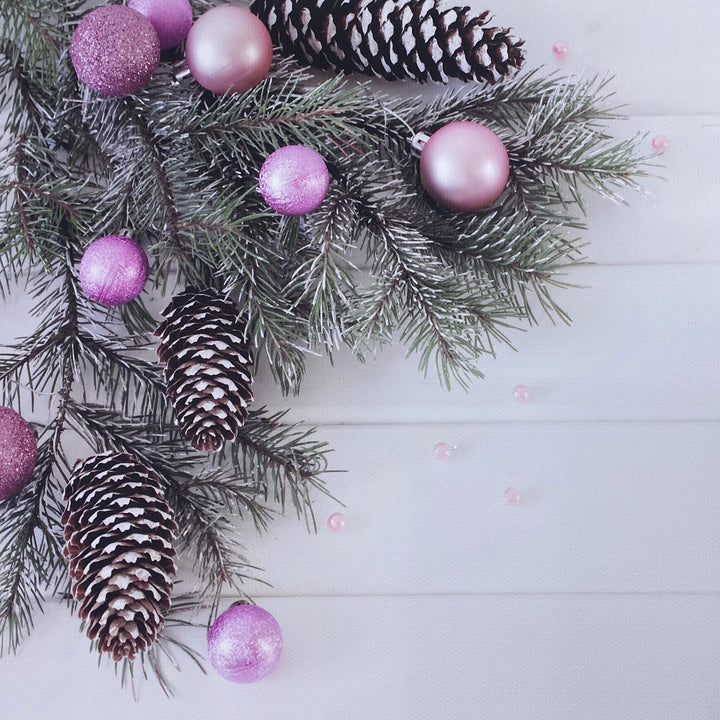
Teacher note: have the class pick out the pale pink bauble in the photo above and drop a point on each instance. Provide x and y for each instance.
(464, 166)
(245, 643)
(228, 49)
(294, 180)
(172, 19)
(18, 452)
(113, 270)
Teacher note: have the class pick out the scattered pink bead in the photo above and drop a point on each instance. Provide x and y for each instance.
(442, 451)
(513, 497)
(521, 393)
(660, 143)
(336, 522)
(560, 49)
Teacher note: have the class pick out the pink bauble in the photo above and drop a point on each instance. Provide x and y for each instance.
(245, 643)
(113, 270)
(18, 452)
(464, 166)
(115, 50)
(228, 49)
(336, 522)
(171, 19)
(512, 496)
(294, 180)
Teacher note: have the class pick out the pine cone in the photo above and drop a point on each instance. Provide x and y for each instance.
(392, 39)
(207, 366)
(119, 539)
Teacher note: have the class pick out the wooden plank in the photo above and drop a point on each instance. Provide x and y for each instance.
(608, 507)
(482, 657)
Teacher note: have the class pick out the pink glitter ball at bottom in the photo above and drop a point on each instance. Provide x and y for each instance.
(18, 452)
(513, 497)
(245, 643)
(294, 180)
(115, 50)
(172, 19)
(113, 270)
(336, 522)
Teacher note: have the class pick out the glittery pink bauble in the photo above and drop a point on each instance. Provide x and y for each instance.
(171, 19)
(245, 643)
(336, 522)
(512, 496)
(113, 270)
(560, 49)
(18, 452)
(228, 49)
(464, 166)
(521, 393)
(115, 50)
(294, 180)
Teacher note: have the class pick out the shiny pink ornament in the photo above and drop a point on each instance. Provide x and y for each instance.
(115, 50)
(336, 522)
(113, 270)
(294, 180)
(442, 451)
(171, 19)
(18, 452)
(464, 166)
(560, 49)
(660, 143)
(245, 643)
(521, 393)
(228, 49)
(513, 497)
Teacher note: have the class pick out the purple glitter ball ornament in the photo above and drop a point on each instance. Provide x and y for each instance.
(18, 452)
(172, 19)
(294, 180)
(113, 270)
(115, 50)
(245, 643)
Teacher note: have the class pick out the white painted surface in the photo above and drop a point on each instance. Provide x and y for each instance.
(599, 598)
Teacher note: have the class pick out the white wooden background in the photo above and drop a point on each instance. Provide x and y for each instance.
(599, 597)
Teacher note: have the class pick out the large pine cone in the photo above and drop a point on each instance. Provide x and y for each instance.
(119, 534)
(207, 366)
(392, 39)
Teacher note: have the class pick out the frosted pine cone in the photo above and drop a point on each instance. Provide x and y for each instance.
(392, 39)
(119, 534)
(207, 366)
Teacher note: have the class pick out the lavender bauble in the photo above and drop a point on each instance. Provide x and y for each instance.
(113, 270)
(228, 49)
(171, 19)
(115, 50)
(245, 643)
(464, 166)
(18, 452)
(294, 180)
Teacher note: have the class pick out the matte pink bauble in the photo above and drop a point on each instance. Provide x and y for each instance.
(18, 452)
(294, 180)
(113, 270)
(115, 50)
(228, 49)
(171, 19)
(245, 643)
(464, 166)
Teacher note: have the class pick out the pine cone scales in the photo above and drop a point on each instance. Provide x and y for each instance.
(119, 533)
(207, 367)
(392, 39)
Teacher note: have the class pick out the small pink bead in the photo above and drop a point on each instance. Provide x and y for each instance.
(442, 451)
(336, 522)
(560, 49)
(660, 143)
(513, 497)
(521, 393)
